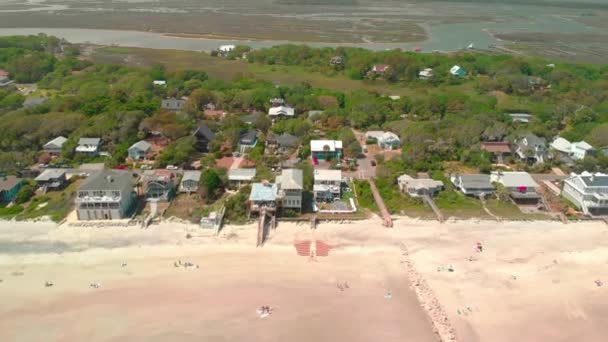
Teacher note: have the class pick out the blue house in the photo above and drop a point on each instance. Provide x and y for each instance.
(140, 150)
(9, 186)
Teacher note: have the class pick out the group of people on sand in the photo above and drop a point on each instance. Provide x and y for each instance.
(265, 311)
(185, 264)
(342, 286)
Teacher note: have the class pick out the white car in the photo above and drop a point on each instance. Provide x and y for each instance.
(172, 167)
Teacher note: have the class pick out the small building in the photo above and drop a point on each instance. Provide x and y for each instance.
(51, 179)
(53, 147)
(282, 143)
(327, 185)
(263, 196)
(34, 102)
(141, 150)
(499, 149)
(325, 149)
(9, 187)
(158, 185)
(473, 185)
(239, 177)
(426, 74)
(277, 102)
(88, 146)
(203, 136)
(172, 104)
(520, 185)
(531, 149)
(224, 50)
(520, 117)
(160, 83)
(336, 60)
(248, 141)
(589, 192)
(417, 187)
(457, 71)
(281, 111)
(385, 140)
(379, 69)
(5, 81)
(290, 184)
(106, 195)
(189, 182)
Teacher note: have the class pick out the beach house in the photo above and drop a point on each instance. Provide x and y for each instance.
(531, 149)
(282, 143)
(281, 111)
(141, 150)
(89, 146)
(498, 149)
(51, 179)
(203, 136)
(106, 195)
(326, 184)
(575, 151)
(173, 104)
(189, 182)
(263, 196)
(158, 185)
(290, 184)
(520, 185)
(53, 147)
(9, 187)
(239, 177)
(325, 150)
(589, 192)
(247, 141)
(473, 185)
(385, 140)
(417, 187)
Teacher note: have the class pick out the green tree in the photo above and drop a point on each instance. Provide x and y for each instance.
(211, 185)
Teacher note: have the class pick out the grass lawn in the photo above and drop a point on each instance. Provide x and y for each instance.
(56, 204)
(508, 211)
(185, 207)
(395, 201)
(455, 204)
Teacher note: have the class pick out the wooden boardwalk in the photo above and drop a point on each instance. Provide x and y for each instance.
(387, 221)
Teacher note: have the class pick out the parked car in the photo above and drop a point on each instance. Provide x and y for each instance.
(146, 167)
(172, 167)
(121, 167)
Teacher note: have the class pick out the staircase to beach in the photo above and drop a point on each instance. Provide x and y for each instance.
(429, 201)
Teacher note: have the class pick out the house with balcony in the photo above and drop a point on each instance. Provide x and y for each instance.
(531, 149)
(89, 146)
(589, 192)
(263, 196)
(281, 111)
(158, 185)
(385, 140)
(9, 187)
(327, 185)
(325, 150)
(53, 147)
(240, 177)
(521, 186)
(140, 151)
(567, 151)
(189, 182)
(290, 184)
(473, 185)
(51, 179)
(203, 136)
(106, 195)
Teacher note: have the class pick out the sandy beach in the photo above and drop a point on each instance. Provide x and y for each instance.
(533, 281)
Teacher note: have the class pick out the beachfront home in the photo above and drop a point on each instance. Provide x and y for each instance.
(239, 177)
(531, 149)
(51, 179)
(327, 184)
(159, 185)
(457, 71)
(498, 149)
(263, 196)
(53, 147)
(385, 140)
(189, 182)
(417, 187)
(89, 146)
(281, 111)
(141, 150)
(325, 149)
(473, 185)
(576, 151)
(282, 143)
(247, 141)
(203, 136)
(9, 187)
(520, 185)
(589, 192)
(106, 195)
(290, 184)
(426, 74)
(172, 104)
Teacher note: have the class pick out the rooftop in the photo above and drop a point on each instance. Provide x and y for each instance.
(248, 137)
(513, 179)
(241, 174)
(281, 110)
(419, 183)
(476, 181)
(108, 180)
(594, 180)
(291, 179)
(89, 141)
(328, 175)
(50, 174)
(7, 183)
(59, 141)
(203, 131)
(141, 145)
(319, 145)
(263, 192)
(191, 175)
(496, 147)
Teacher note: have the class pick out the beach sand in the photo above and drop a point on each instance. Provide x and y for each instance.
(534, 281)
